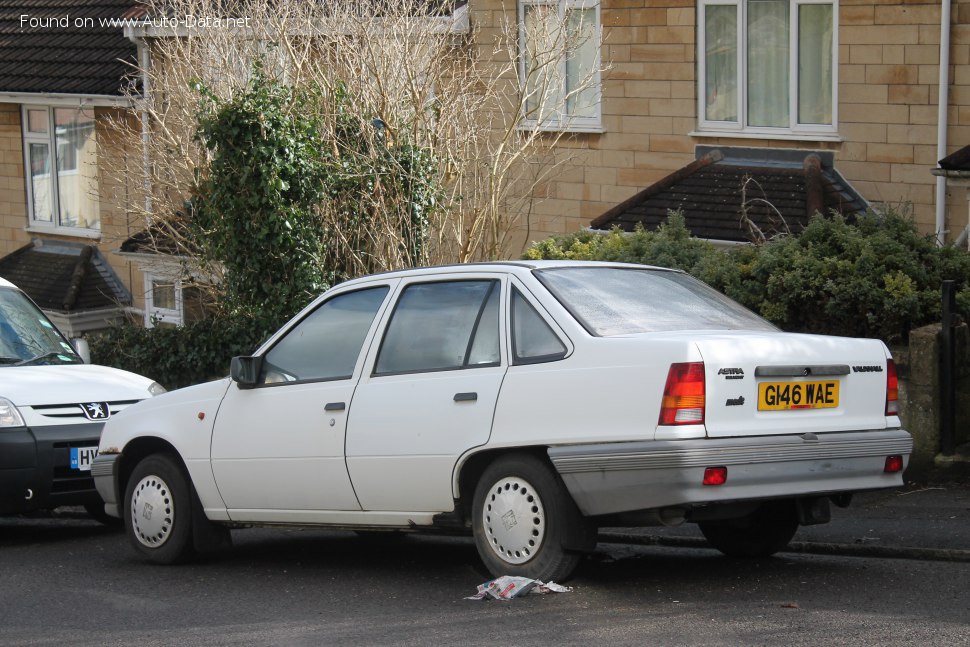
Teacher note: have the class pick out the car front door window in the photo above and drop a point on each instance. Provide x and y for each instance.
(327, 343)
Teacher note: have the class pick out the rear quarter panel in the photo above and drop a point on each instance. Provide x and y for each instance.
(608, 390)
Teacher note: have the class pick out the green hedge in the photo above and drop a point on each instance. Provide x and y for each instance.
(177, 357)
(876, 277)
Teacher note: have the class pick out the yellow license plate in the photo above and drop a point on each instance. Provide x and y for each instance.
(783, 396)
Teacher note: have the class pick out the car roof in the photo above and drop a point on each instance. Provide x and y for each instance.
(499, 266)
(4, 283)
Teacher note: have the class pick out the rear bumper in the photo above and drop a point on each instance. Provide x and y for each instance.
(624, 477)
(35, 467)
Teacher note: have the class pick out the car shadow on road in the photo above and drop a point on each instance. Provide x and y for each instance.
(45, 528)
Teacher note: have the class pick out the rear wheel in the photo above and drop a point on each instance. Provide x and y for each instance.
(521, 516)
(158, 510)
(761, 534)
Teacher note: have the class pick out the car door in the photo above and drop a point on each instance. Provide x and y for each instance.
(278, 448)
(429, 393)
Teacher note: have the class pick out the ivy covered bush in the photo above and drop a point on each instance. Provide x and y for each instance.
(177, 357)
(294, 189)
(875, 277)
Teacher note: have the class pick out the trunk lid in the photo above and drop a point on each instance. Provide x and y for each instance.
(785, 383)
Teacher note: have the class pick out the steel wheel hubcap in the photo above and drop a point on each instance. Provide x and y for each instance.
(514, 520)
(152, 511)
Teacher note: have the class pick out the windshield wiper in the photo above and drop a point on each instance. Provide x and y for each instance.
(10, 360)
(43, 356)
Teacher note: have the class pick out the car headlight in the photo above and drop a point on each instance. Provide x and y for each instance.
(156, 389)
(9, 416)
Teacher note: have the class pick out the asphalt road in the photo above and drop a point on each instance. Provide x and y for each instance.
(68, 581)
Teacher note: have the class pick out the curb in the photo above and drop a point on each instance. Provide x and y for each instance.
(811, 547)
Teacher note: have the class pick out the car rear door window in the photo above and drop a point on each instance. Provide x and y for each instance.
(327, 343)
(442, 326)
(532, 339)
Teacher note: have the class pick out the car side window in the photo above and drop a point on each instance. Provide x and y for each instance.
(442, 326)
(533, 340)
(327, 343)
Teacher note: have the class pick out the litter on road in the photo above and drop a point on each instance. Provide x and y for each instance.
(507, 587)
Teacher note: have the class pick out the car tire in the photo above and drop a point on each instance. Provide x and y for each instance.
(521, 518)
(761, 534)
(96, 512)
(158, 510)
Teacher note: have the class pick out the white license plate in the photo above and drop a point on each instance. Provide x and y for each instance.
(82, 457)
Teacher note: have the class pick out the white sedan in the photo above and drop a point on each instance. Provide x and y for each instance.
(530, 402)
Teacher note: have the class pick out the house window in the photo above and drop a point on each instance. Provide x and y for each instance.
(768, 66)
(559, 64)
(163, 301)
(61, 162)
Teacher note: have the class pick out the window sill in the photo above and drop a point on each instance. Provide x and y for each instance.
(92, 234)
(741, 134)
(551, 128)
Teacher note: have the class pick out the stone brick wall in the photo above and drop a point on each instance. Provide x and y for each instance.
(920, 394)
(888, 77)
(13, 191)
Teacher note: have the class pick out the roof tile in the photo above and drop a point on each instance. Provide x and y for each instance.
(67, 60)
(778, 190)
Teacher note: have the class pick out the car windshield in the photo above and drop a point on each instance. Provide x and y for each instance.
(27, 336)
(610, 301)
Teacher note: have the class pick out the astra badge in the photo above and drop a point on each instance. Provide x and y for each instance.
(95, 410)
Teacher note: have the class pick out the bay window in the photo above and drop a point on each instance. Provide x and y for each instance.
(768, 66)
(61, 164)
(559, 64)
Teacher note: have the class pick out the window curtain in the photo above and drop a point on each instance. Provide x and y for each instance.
(815, 64)
(721, 62)
(768, 57)
(543, 81)
(77, 168)
(583, 44)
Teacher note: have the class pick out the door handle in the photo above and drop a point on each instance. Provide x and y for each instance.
(466, 397)
(335, 406)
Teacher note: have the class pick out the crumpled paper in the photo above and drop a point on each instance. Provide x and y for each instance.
(508, 587)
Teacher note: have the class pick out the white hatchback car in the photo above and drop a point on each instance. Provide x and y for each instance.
(528, 401)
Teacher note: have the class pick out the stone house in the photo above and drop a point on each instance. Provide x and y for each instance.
(768, 83)
(63, 74)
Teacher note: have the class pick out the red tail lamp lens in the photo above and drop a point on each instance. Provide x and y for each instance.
(683, 401)
(892, 389)
(715, 475)
(893, 464)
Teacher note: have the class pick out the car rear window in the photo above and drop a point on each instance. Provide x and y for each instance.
(610, 301)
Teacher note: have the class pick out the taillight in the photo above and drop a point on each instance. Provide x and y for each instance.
(714, 476)
(683, 401)
(893, 464)
(892, 389)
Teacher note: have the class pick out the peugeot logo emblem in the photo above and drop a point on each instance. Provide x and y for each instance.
(95, 410)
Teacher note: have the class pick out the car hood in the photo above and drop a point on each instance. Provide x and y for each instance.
(40, 385)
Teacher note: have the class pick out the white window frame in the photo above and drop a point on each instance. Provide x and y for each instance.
(561, 121)
(155, 315)
(49, 138)
(739, 128)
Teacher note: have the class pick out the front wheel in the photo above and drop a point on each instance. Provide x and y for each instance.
(522, 516)
(761, 534)
(158, 510)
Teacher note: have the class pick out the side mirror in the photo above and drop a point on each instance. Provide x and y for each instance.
(82, 349)
(245, 371)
